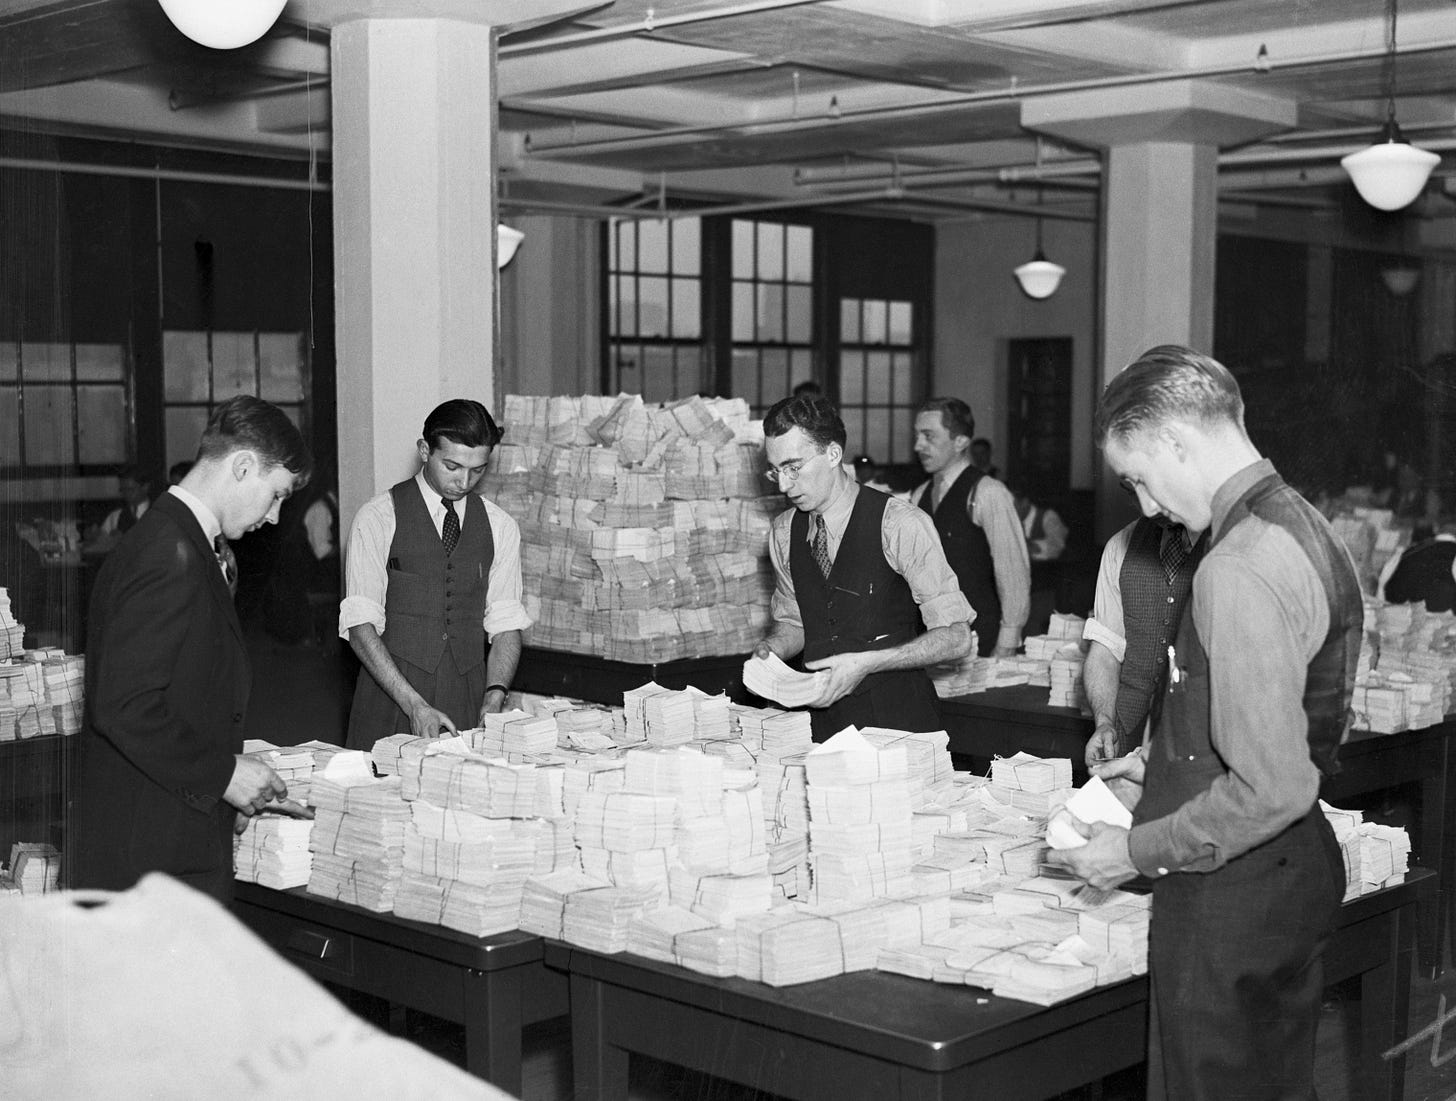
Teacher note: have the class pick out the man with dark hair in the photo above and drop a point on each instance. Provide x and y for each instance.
(433, 570)
(859, 574)
(978, 525)
(1225, 791)
(981, 456)
(160, 777)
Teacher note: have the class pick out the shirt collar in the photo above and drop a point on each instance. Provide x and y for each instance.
(211, 526)
(947, 477)
(433, 501)
(1235, 487)
(836, 513)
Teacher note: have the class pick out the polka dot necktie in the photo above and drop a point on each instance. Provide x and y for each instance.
(450, 529)
(819, 546)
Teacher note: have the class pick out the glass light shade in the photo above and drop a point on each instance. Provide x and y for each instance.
(223, 24)
(1400, 281)
(1039, 277)
(507, 240)
(1390, 174)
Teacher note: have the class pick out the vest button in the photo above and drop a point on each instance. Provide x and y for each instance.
(445, 637)
(1170, 600)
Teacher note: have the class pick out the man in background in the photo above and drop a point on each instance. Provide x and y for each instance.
(160, 776)
(433, 570)
(862, 586)
(978, 526)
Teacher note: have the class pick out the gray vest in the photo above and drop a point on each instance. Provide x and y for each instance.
(433, 601)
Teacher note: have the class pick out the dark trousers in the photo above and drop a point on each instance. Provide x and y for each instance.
(900, 700)
(1236, 977)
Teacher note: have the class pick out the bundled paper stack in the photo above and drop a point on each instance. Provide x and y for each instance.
(29, 714)
(12, 632)
(625, 821)
(644, 528)
(860, 838)
(732, 841)
(513, 735)
(600, 918)
(712, 718)
(772, 679)
(927, 753)
(34, 868)
(1067, 689)
(1024, 772)
(543, 900)
(1374, 855)
(294, 765)
(389, 754)
(486, 786)
(357, 839)
(273, 850)
(1382, 704)
(969, 675)
(654, 933)
(1053, 978)
(590, 773)
(779, 740)
(710, 951)
(1120, 930)
(658, 715)
(722, 899)
(64, 678)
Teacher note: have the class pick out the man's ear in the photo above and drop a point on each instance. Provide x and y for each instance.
(422, 448)
(242, 463)
(1174, 436)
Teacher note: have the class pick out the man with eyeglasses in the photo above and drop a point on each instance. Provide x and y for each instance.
(978, 526)
(863, 587)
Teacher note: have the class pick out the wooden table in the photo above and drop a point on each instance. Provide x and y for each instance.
(582, 677)
(1005, 720)
(873, 1035)
(493, 986)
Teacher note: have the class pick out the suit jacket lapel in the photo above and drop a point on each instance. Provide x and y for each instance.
(216, 585)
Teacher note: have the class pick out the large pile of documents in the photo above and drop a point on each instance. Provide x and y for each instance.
(1375, 856)
(41, 692)
(644, 527)
(357, 838)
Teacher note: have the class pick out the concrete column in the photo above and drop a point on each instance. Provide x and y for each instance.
(414, 128)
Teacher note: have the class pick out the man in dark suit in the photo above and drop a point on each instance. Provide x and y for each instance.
(160, 776)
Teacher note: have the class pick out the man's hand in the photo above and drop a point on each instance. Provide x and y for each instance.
(493, 704)
(253, 785)
(762, 650)
(846, 671)
(1103, 862)
(1102, 746)
(426, 721)
(1124, 776)
(1004, 651)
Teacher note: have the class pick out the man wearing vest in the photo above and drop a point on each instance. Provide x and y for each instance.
(1143, 584)
(432, 570)
(858, 576)
(1255, 702)
(978, 526)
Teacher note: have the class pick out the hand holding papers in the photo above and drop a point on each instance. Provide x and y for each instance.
(1093, 802)
(773, 680)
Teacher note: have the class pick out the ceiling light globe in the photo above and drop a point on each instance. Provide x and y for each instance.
(223, 24)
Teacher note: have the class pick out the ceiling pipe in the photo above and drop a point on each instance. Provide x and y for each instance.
(669, 135)
(137, 172)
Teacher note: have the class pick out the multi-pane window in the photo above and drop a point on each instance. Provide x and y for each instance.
(772, 311)
(654, 308)
(877, 378)
(64, 406)
(201, 369)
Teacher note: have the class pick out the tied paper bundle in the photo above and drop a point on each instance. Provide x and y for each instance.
(63, 676)
(596, 774)
(400, 755)
(927, 755)
(482, 785)
(463, 871)
(625, 821)
(965, 677)
(543, 900)
(599, 918)
(28, 715)
(357, 839)
(12, 632)
(722, 899)
(658, 715)
(643, 870)
(1023, 772)
(688, 775)
(1067, 689)
(513, 735)
(273, 851)
(734, 841)
(773, 680)
(654, 934)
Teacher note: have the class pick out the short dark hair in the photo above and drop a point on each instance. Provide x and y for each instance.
(246, 423)
(808, 389)
(814, 416)
(955, 415)
(463, 421)
(1168, 382)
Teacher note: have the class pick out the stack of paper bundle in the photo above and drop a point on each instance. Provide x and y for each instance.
(64, 677)
(654, 933)
(513, 735)
(357, 839)
(1382, 703)
(644, 527)
(29, 714)
(779, 740)
(927, 755)
(273, 850)
(590, 773)
(1034, 785)
(722, 899)
(1054, 978)
(1384, 856)
(969, 675)
(34, 868)
(389, 752)
(712, 718)
(860, 838)
(543, 900)
(733, 841)
(710, 951)
(293, 764)
(599, 919)
(12, 632)
(1119, 929)
(658, 715)
(1067, 689)
(623, 837)
(486, 786)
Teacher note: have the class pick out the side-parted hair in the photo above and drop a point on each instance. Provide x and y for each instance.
(1169, 382)
(955, 415)
(812, 415)
(246, 423)
(463, 421)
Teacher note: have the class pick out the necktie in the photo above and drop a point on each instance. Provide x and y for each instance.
(1172, 552)
(450, 529)
(819, 546)
(228, 561)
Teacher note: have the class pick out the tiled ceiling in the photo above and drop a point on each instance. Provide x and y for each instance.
(757, 99)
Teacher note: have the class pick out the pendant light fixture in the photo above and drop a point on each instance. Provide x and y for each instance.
(507, 240)
(223, 24)
(1391, 173)
(1039, 277)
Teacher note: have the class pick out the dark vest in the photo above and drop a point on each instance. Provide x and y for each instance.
(1424, 573)
(863, 604)
(433, 600)
(127, 520)
(1181, 760)
(1152, 609)
(969, 554)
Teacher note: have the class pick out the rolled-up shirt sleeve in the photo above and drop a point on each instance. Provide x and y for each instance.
(784, 605)
(503, 608)
(993, 510)
(1106, 624)
(365, 577)
(1261, 614)
(912, 548)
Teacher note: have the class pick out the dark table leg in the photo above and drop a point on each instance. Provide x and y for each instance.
(1434, 905)
(599, 1070)
(493, 1027)
(1385, 1010)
